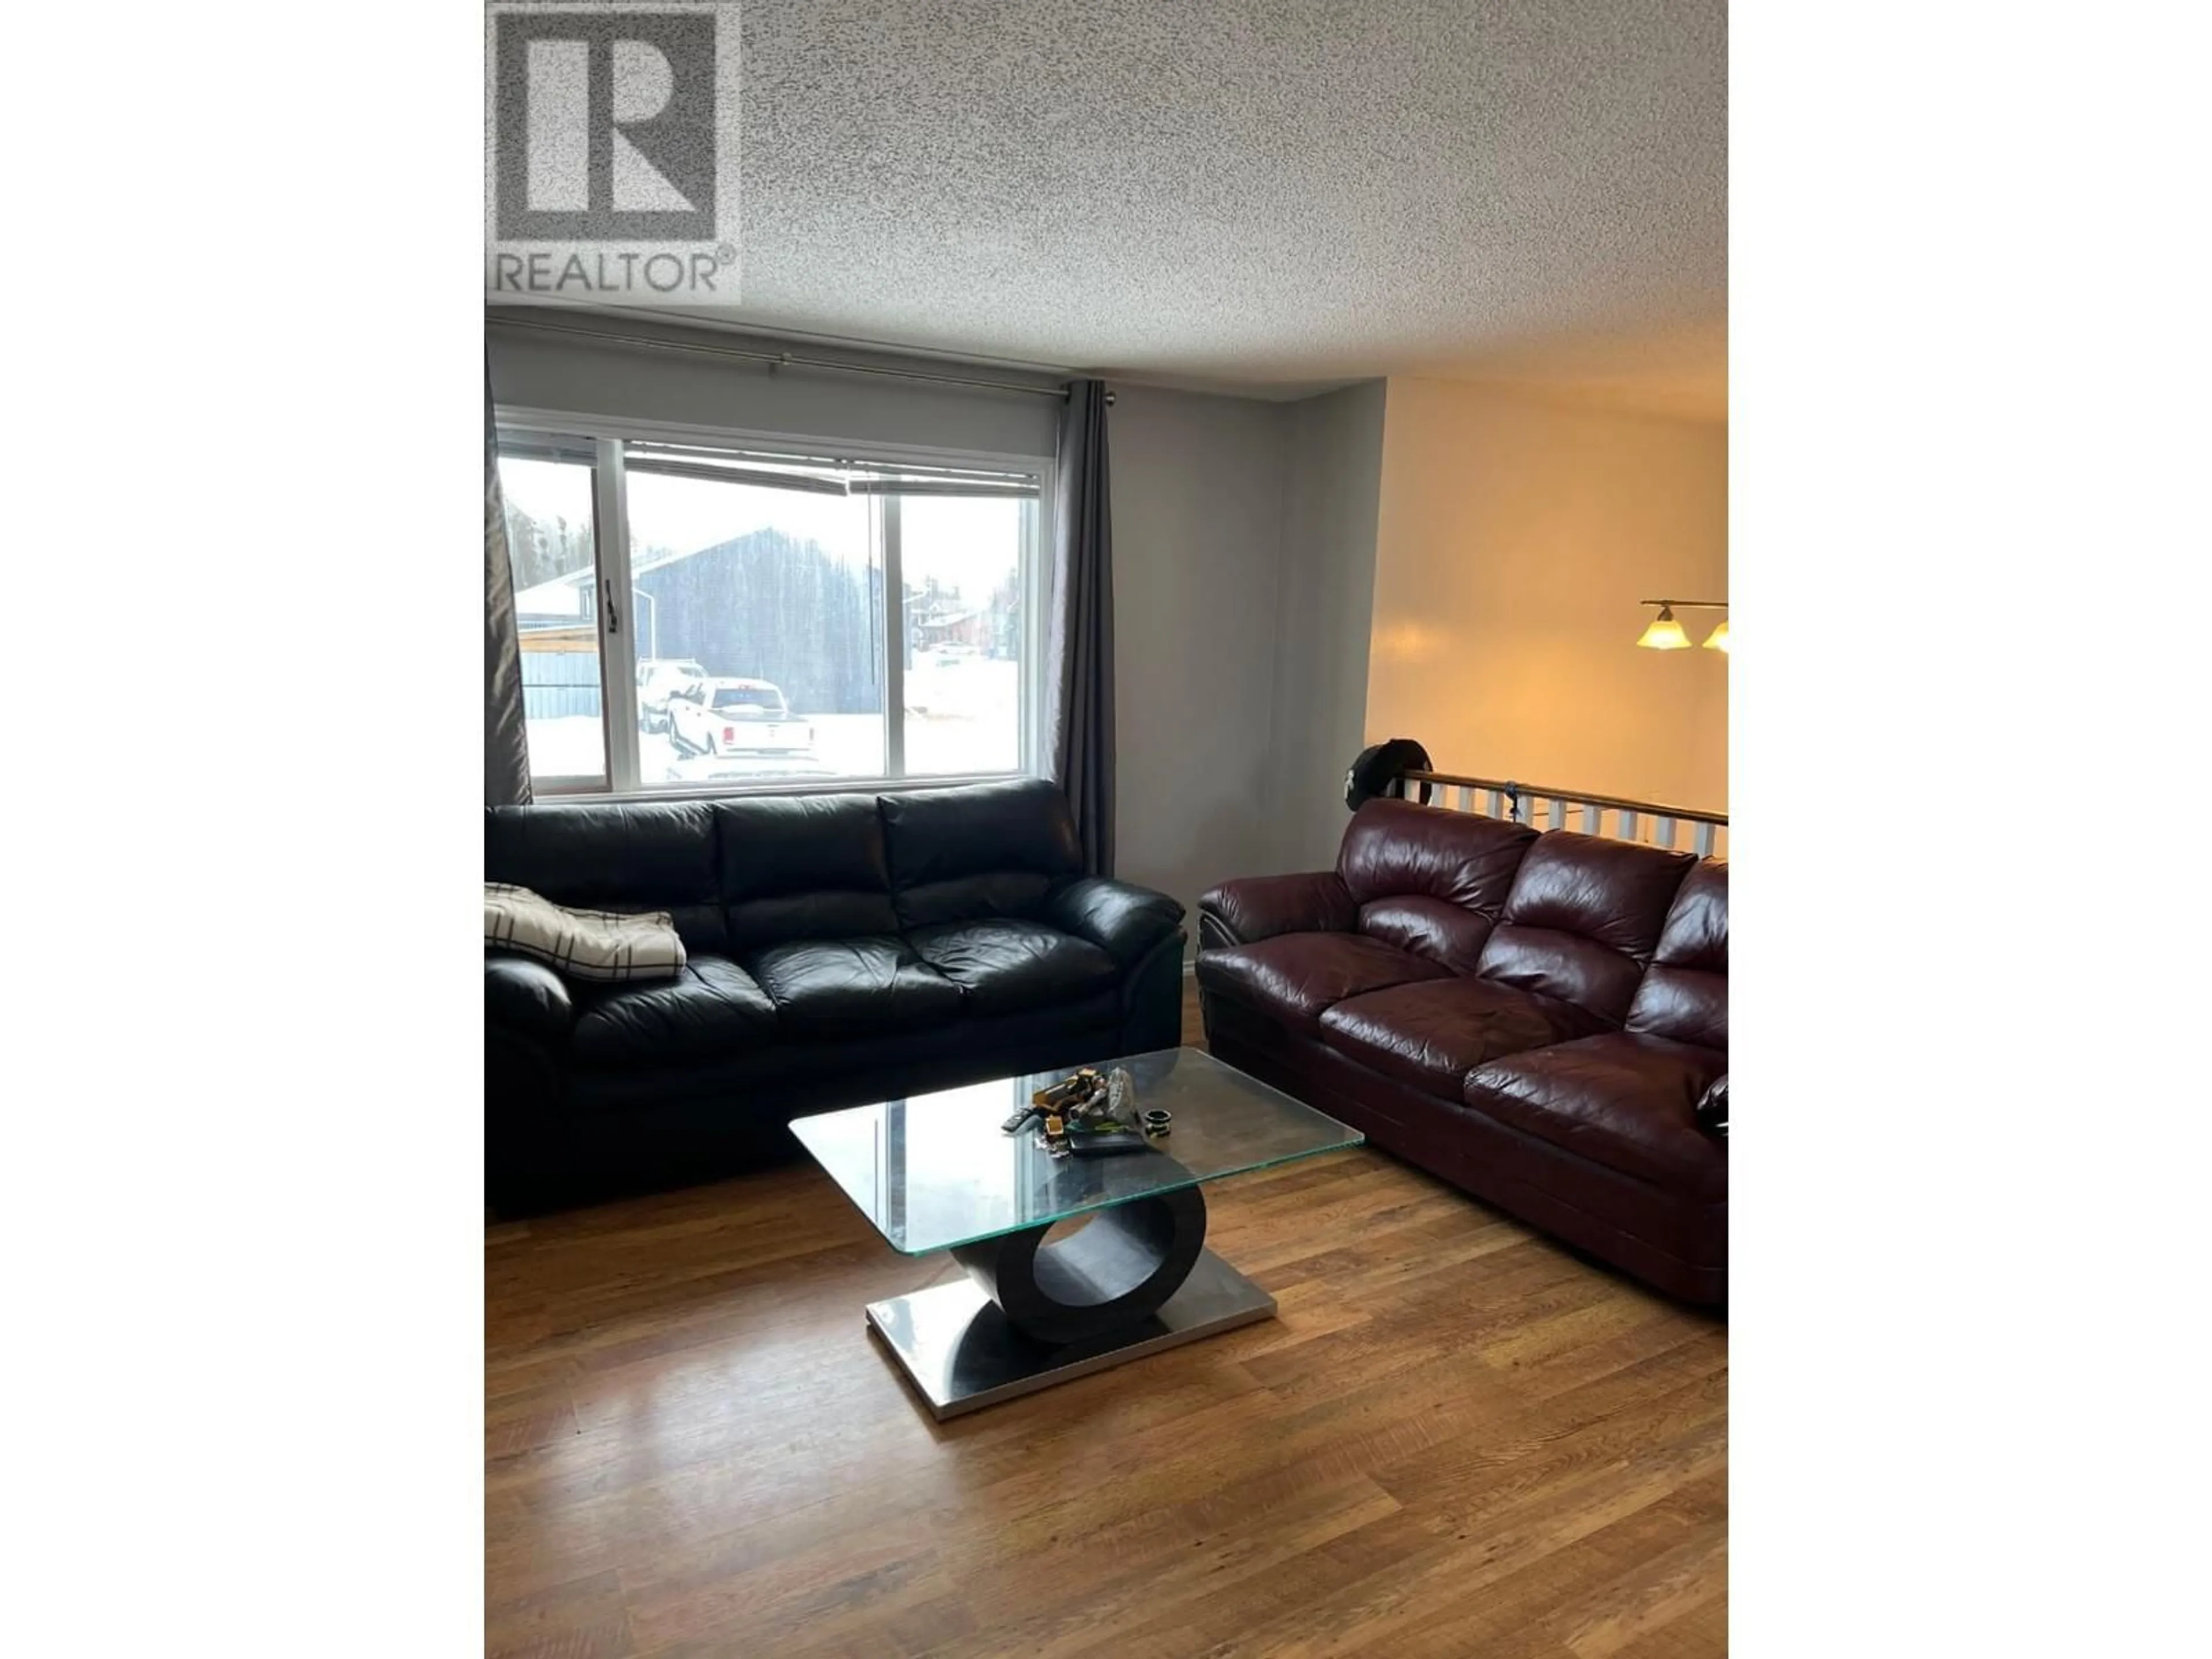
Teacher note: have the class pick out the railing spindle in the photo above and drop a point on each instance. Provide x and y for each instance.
(1555, 814)
(1496, 803)
(1667, 834)
(1628, 825)
(1705, 841)
(1467, 797)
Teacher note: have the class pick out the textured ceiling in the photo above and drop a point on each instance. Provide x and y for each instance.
(1251, 192)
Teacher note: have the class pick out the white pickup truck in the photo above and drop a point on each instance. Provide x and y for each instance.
(658, 680)
(735, 717)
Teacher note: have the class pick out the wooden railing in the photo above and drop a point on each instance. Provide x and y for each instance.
(1643, 821)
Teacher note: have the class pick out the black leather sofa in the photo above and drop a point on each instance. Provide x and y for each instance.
(842, 949)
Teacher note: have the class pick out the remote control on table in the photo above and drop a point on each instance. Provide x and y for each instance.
(1012, 1125)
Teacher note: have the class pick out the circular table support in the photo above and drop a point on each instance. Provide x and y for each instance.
(1117, 1272)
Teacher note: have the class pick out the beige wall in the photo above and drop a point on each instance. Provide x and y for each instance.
(1514, 540)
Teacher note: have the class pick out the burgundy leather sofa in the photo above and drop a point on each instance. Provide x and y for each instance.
(1532, 1017)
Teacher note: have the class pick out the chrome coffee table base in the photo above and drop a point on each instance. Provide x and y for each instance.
(942, 1172)
(961, 1352)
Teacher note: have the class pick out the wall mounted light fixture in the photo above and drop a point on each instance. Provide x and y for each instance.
(1665, 634)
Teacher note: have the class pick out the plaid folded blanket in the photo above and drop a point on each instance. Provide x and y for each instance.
(603, 944)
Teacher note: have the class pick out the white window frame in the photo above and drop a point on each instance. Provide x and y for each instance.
(617, 633)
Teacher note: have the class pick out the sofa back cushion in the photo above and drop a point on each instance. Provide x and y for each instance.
(803, 867)
(1684, 995)
(1583, 919)
(964, 854)
(609, 856)
(1429, 881)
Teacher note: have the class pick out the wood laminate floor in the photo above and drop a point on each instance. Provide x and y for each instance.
(1457, 1439)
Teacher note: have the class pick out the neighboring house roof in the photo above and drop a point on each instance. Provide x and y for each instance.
(561, 597)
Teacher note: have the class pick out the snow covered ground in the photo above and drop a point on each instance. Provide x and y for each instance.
(964, 717)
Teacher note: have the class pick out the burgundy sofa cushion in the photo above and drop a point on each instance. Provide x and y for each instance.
(1685, 990)
(1625, 1100)
(1393, 847)
(1431, 928)
(1294, 976)
(1429, 881)
(1676, 1242)
(1432, 1034)
(1582, 920)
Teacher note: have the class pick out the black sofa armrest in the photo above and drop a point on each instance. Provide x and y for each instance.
(528, 998)
(1123, 920)
(1255, 907)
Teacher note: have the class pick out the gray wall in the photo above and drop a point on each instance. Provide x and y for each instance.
(1332, 488)
(1197, 520)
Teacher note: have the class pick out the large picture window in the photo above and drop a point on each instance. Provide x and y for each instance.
(700, 615)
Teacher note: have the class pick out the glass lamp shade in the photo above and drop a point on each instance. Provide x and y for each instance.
(1717, 640)
(1665, 634)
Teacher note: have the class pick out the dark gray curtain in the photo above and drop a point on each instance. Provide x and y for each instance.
(507, 745)
(1081, 683)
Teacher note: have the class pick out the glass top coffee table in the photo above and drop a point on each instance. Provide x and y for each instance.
(936, 1172)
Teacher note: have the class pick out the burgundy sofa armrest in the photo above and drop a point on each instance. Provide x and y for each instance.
(1712, 1108)
(1260, 907)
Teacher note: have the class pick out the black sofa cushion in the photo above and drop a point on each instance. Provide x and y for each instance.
(851, 987)
(611, 855)
(967, 854)
(1004, 966)
(711, 1007)
(803, 867)
(796, 1075)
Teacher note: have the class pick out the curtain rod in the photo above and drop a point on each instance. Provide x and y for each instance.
(779, 359)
